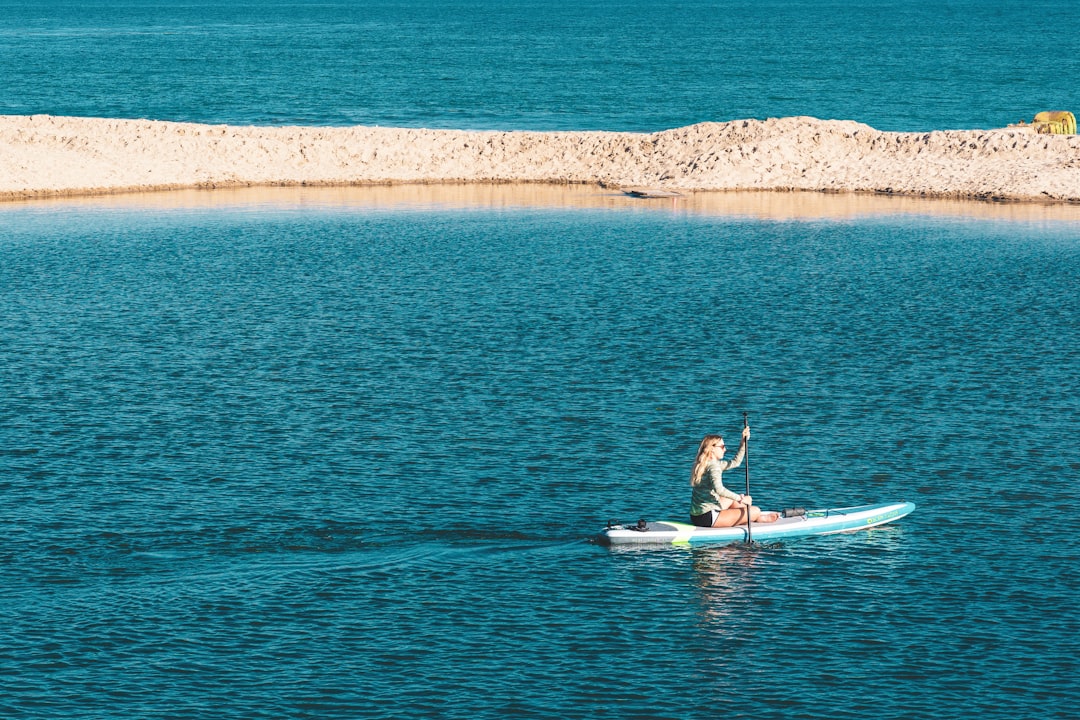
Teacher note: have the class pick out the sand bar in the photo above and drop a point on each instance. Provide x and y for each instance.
(48, 156)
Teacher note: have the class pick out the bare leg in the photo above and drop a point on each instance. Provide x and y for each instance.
(764, 517)
(736, 515)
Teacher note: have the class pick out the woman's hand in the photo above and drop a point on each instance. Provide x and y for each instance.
(746, 433)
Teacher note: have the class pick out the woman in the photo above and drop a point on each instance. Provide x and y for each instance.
(712, 504)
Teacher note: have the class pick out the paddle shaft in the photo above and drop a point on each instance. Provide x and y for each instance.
(746, 424)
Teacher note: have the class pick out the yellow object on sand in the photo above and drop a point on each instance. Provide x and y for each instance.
(1055, 122)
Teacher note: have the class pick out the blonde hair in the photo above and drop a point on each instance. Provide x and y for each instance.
(704, 452)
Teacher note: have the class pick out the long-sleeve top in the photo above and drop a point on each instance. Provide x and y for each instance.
(710, 489)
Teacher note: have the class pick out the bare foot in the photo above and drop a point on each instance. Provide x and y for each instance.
(768, 517)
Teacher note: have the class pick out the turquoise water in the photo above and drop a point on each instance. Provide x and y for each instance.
(508, 64)
(334, 463)
(345, 462)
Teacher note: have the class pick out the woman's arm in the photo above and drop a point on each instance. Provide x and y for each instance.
(718, 489)
(735, 461)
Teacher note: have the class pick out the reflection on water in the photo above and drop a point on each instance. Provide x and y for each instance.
(723, 575)
(715, 566)
(765, 205)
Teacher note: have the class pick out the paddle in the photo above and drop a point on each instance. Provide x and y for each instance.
(746, 424)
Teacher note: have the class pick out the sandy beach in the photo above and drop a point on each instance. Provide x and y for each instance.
(48, 156)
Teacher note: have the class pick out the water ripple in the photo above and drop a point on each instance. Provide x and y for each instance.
(348, 465)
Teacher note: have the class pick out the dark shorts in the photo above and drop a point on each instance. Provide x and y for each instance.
(705, 519)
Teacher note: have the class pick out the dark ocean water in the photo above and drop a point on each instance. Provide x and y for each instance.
(338, 464)
(345, 462)
(509, 64)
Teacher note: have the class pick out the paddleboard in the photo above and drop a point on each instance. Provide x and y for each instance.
(814, 522)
